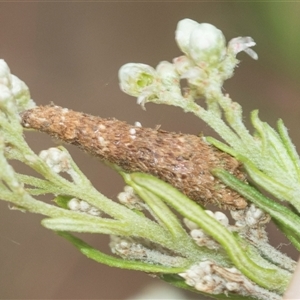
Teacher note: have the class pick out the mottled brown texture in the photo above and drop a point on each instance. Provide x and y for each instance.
(183, 160)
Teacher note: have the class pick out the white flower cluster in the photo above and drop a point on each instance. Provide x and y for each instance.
(251, 217)
(130, 199)
(207, 277)
(82, 206)
(57, 160)
(206, 64)
(14, 93)
(251, 223)
(130, 249)
(149, 84)
(198, 234)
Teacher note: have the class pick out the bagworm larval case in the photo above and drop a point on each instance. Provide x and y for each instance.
(182, 160)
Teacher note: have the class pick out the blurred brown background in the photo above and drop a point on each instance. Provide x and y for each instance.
(70, 53)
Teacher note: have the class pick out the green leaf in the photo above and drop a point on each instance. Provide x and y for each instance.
(280, 213)
(273, 279)
(62, 201)
(112, 261)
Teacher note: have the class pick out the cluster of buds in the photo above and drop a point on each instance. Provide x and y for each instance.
(207, 277)
(57, 160)
(82, 206)
(130, 199)
(252, 217)
(251, 222)
(198, 234)
(206, 64)
(14, 93)
(130, 249)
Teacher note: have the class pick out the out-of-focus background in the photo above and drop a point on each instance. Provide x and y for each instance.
(69, 53)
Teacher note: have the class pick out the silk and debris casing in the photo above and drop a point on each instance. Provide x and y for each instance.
(182, 160)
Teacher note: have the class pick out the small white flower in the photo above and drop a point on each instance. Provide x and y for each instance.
(130, 199)
(145, 95)
(84, 207)
(195, 76)
(134, 78)
(56, 159)
(222, 218)
(20, 96)
(182, 64)
(168, 77)
(166, 70)
(74, 204)
(239, 44)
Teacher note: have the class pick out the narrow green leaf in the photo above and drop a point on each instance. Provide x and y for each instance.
(160, 210)
(112, 261)
(289, 146)
(101, 226)
(269, 278)
(282, 214)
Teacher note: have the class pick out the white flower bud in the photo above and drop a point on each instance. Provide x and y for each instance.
(123, 197)
(84, 206)
(207, 45)
(204, 43)
(182, 64)
(195, 76)
(166, 71)
(134, 78)
(222, 218)
(21, 93)
(183, 32)
(18, 90)
(74, 204)
(56, 159)
(4, 73)
(198, 234)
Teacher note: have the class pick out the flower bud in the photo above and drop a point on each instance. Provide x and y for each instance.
(204, 43)
(4, 73)
(21, 93)
(134, 78)
(183, 32)
(195, 76)
(16, 87)
(207, 45)
(56, 159)
(182, 64)
(167, 72)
